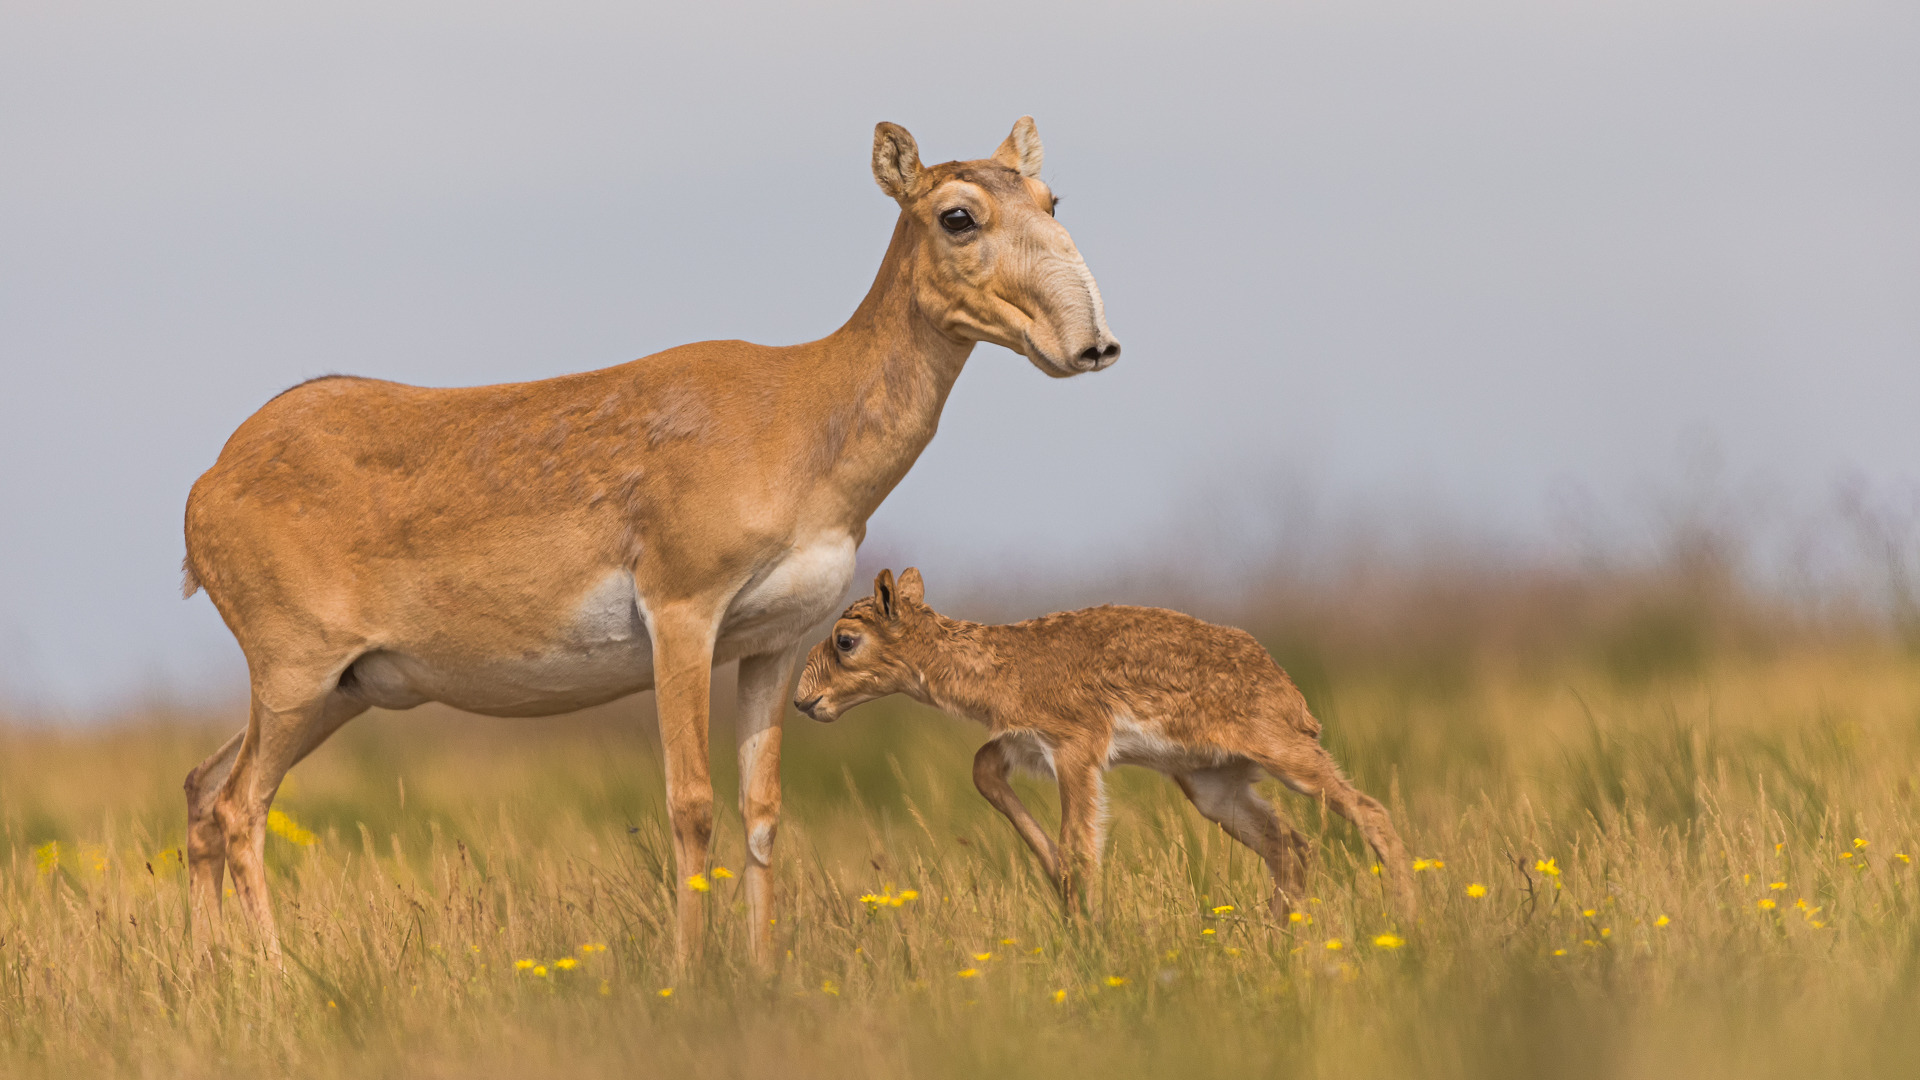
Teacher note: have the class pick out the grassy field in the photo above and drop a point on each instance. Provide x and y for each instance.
(1628, 868)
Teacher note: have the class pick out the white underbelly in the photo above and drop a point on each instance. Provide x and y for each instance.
(1143, 744)
(604, 651)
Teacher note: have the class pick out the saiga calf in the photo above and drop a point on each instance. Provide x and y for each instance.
(1074, 694)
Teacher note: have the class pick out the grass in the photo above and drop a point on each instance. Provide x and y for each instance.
(1669, 805)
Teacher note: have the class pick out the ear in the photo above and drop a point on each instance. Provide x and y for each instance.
(883, 594)
(1021, 151)
(896, 161)
(911, 587)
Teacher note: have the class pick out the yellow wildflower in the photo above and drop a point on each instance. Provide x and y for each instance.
(827, 987)
(698, 883)
(523, 965)
(1476, 890)
(1037, 950)
(46, 857)
(1590, 912)
(1606, 931)
(566, 963)
(1223, 909)
(722, 873)
(1116, 980)
(983, 957)
(1549, 867)
(332, 1004)
(1376, 869)
(1767, 905)
(1559, 952)
(1779, 847)
(1846, 854)
(1902, 856)
(1662, 921)
(1422, 864)
(1208, 932)
(1777, 886)
(1334, 945)
(592, 948)
(287, 829)
(540, 972)
(1859, 843)
(1059, 997)
(1389, 941)
(1008, 941)
(908, 895)
(1233, 952)
(968, 973)
(665, 992)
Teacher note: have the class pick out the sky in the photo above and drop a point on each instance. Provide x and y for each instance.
(1445, 260)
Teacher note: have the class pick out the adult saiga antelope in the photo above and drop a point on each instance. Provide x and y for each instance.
(534, 548)
(1073, 694)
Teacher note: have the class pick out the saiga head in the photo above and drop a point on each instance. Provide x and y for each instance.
(995, 264)
(866, 655)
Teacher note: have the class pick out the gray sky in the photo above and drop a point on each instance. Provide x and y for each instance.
(1453, 256)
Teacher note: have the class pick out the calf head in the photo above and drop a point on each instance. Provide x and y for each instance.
(871, 652)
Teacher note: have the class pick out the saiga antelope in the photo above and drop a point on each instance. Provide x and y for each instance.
(1073, 694)
(534, 548)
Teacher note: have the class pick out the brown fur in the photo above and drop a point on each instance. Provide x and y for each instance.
(533, 548)
(1083, 690)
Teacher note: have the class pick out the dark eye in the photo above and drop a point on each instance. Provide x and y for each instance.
(845, 642)
(956, 220)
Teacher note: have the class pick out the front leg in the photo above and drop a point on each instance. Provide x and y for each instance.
(1083, 808)
(990, 769)
(764, 682)
(683, 677)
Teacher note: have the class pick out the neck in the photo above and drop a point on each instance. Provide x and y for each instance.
(960, 674)
(889, 370)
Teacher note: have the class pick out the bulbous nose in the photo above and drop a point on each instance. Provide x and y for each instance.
(1096, 357)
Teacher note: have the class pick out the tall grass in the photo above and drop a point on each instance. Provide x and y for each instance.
(1669, 838)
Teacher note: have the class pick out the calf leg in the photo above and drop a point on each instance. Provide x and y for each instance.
(1306, 767)
(1083, 807)
(1226, 796)
(990, 769)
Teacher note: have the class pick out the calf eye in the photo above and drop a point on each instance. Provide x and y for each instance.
(845, 642)
(956, 220)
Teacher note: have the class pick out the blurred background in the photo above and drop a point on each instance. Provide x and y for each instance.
(1512, 333)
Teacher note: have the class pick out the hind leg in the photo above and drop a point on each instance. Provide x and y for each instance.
(280, 731)
(1226, 796)
(1306, 767)
(206, 844)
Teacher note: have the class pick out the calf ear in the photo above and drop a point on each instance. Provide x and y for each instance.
(896, 161)
(911, 587)
(883, 594)
(1021, 152)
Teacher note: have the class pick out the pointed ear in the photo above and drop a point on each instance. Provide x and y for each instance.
(911, 587)
(1021, 152)
(896, 161)
(883, 594)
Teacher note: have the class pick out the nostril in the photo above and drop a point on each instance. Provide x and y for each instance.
(1112, 350)
(1092, 355)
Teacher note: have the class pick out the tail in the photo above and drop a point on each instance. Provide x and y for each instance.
(189, 581)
